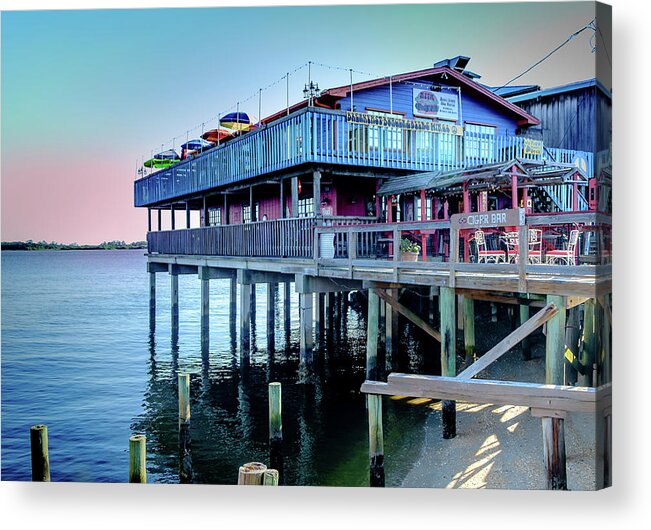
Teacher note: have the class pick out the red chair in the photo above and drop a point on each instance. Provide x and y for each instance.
(567, 255)
(485, 255)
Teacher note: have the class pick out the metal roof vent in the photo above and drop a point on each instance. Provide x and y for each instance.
(459, 64)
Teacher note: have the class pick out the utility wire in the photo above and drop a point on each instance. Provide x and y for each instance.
(589, 25)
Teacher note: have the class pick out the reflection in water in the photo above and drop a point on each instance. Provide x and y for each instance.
(325, 437)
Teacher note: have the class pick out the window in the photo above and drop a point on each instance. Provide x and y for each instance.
(480, 142)
(306, 207)
(214, 216)
(428, 209)
(246, 212)
(384, 137)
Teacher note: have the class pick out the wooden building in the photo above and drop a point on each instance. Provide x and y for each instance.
(333, 194)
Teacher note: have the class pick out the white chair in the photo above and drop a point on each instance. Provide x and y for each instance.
(484, 255)
(567, 255)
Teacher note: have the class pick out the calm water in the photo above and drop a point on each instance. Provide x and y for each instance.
(78, 355)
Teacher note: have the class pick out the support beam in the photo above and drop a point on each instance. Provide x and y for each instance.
(508, 342)
(316, 184)
(174, 298)
(372, 334)
(553, 427)
(233, 299)
(148, 219)
(391, 333)
(160, 219)
(271, 316)
(152, 301)
(588, 343)
(254, 217)
(187, 215)
(205, 315)
(245, 321)
(447, 306)
(409, 314)
(282, 199)
(294, 212)
(305, 335)
(469, 329)
(172, 217)
(525, 344)
(318, 315)
(375, 440)
(287, 310)
(573, 366)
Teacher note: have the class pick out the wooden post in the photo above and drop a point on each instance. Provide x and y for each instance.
(372, 335)
(469, 328)
(40, 455)
(606, 361)
(275, 426)
(294, 212)
(138, 459)
(572, 338)
(391, 334)
(589, 343)
(187, 215)
(526, 343)
(318, 315)
(447, 302)
(245, 321)
(554, 453)
(252, 205)
(282, 199)
(152, 301)
(205, 314)
(305, 334)
(553, 427)
(174, 298)
(287, 307)
(226, 216)
(205, 221)
(271, 317)
(270, 477)
(316, 192)
(251, 474)
(184, 397)
(148, 219)
(160, 219)
(493, 313)
(172, 217)
(233, 299)
(185, 442)
(375, 440)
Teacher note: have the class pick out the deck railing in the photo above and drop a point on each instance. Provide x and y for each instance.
(328, 136)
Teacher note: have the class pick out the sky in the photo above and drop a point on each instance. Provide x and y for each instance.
(87, 94)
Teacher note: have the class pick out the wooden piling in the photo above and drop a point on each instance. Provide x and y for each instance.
(469, 328)
(372, 335)
(318, 315)
(554, 453)
(391, 334)
(251, 474)
(493, 313)
(40, 455)
(275, 426)
(588, 343)
(233, 299)
(573, 365)
(447, 303)
(287, 306)
(184, 397)
(138, 459)
(205, 315)
(606, 340)
(305, 334)
(553, 427)
(174, 300)
(152, 301)
(271, 317)
(375, 440)
(270, 477)
(525, 345)
(245, 321)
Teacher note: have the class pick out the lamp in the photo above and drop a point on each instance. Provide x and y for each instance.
(310, 91)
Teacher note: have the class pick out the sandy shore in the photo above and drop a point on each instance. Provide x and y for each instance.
(500, 447)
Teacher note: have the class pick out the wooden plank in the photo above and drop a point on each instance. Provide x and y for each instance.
(510, 341)
(407, 313)
(534, 395)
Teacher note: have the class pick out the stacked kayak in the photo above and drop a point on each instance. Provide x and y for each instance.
(239, 121)
(218, 135)
(194, 147)
(163, 160)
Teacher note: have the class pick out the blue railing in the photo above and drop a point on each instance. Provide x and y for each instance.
(327, 136)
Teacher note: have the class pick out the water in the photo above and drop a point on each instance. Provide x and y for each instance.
(78, 355)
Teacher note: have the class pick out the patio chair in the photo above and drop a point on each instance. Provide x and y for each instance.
(567, 255)
(485, 255)
(511, 239)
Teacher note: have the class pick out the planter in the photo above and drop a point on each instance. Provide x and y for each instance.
(409, 256)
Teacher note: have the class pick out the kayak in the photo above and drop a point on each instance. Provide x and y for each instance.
(218, 135)
(163, 160)
(239, 121)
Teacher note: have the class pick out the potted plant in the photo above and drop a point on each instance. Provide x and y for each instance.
(409, 250)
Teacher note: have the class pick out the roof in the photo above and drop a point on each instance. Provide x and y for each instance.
(570, 87)
(335, 93)
(513, 90)
(434, 180)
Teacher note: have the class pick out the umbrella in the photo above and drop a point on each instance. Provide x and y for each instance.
(199, 144)
(217, 135)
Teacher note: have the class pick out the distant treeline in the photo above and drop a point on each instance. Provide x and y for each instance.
(44, 245)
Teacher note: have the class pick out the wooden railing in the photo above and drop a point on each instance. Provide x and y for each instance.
(327, 136)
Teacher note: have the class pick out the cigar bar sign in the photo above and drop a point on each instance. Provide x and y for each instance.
(497, 218)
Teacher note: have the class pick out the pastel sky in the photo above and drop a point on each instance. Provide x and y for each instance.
(87, 94)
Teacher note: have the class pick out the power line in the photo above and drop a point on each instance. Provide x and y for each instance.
(589, 25)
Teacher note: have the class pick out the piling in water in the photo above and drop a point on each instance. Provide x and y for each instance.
(251, 474)
(270, 478)
(40, 456)
(275, 426)
(375, 440)
(185, 441)
(138, 459)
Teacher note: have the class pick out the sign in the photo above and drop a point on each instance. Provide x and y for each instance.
(397, 122)
(428, 104)
(488, 219)
(532, 147)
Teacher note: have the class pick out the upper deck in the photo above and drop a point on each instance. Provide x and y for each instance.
(337, 138)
